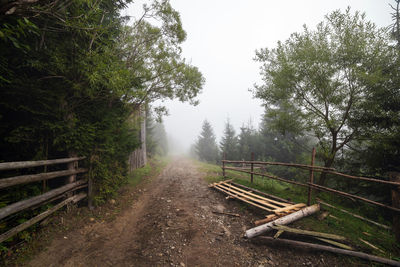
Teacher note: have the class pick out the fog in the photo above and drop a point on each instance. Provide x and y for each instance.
(222, 37)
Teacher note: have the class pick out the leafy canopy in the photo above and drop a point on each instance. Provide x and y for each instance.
(314, 82)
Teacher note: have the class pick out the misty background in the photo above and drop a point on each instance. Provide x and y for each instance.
(222, 37)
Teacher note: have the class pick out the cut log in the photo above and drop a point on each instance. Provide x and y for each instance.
(27, 203)
(305, 245)
(282, 221)
(306, 232)
(40, 217)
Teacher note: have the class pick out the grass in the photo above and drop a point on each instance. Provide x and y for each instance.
(152, 168)
(339, 223)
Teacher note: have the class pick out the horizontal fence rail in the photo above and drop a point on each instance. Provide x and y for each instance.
(64, 191)
(314, 168)
(29, 164)
(310, 185)
(23, 179)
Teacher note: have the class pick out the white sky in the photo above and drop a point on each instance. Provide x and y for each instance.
(222, 37)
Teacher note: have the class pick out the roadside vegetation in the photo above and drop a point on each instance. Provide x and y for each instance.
(34, 239)
(336, 222)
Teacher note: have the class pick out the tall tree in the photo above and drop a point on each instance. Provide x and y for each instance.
(321, 78)
(72, 74)
(229, 142)
(379, 115)
(283, 146)
(248, 142)
(206, 146)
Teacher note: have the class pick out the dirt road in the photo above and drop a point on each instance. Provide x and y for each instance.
(172, 224)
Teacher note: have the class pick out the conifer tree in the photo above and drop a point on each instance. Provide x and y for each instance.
(206, 146)
(229, 142)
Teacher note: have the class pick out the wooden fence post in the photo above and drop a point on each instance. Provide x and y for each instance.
(252, 166)
(395, 177)
(223, 164)
(90, 190)
(311, 177)
(72, 166)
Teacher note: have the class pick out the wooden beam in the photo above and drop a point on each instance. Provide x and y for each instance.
(260, 201)
(40, 217)
(256, 231)
(258, 196)
(395, 194)
(23, 179)
(311, 177)
(335, 243)
(28, 164)
(268, 219)
(355, 215)
(242, 199)
(269, 176)
(288, 208)
(27, 203)
(308, 233)
(317, 169)
(364, 178)
(305, 245)
(281, 164)
(263, 193)
(327, 189)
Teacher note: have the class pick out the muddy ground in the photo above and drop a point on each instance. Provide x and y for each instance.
(172, 224)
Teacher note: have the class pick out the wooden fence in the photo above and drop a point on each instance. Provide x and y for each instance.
(394, 183)
(66, 191)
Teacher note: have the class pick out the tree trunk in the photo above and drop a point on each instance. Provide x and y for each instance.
(323, 176)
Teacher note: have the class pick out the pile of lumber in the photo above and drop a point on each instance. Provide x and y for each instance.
(279, 226)
(279, 207)
(284, 212)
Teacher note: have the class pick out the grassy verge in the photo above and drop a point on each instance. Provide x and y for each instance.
(152, 168)
(339, 223)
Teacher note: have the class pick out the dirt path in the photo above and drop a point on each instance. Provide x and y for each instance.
(172, 224)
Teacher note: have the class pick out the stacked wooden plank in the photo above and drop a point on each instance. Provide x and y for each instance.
(277, 206)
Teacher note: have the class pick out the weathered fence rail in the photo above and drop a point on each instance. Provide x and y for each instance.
(311, 185)
(65, 191)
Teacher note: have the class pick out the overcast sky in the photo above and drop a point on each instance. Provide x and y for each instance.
(222, 36)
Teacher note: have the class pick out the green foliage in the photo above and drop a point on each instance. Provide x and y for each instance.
(341, 224)
(206, 147)
(72, 76)
(314, 82)
(156, 137)
(229, 142)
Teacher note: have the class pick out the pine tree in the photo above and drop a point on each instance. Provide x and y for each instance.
(206, 147)
(229, 142)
